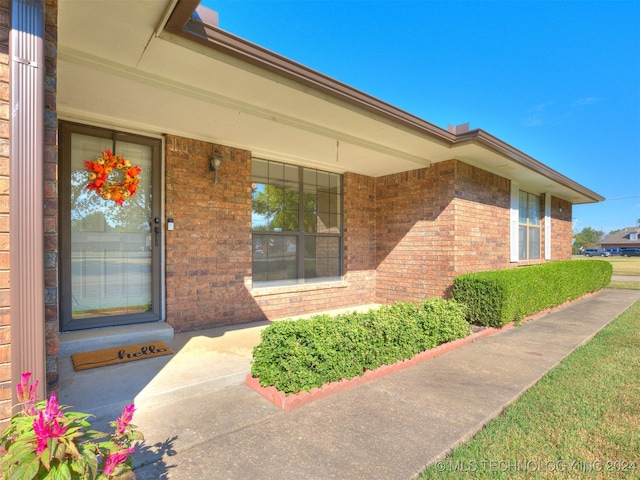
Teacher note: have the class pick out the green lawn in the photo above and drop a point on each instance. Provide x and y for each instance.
(582, 420)
(625, 285)
(621, 265)
(624, 266)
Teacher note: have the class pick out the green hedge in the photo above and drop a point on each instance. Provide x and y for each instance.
(499, 297)
(296, 356)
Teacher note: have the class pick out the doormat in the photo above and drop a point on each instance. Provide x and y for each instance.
(112, 356)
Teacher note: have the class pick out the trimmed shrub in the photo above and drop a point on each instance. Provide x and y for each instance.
(297, 355)
(499, 297)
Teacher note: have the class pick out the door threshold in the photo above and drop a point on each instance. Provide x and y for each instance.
(112, 337)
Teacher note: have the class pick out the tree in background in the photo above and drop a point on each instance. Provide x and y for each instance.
(587, 238)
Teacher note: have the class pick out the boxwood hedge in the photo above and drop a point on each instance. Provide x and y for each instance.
(498, 297)
(295, 356)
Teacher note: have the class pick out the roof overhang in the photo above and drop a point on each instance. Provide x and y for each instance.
(157, 67)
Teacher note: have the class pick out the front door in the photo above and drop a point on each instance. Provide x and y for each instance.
(110, 235)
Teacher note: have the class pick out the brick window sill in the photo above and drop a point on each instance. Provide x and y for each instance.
(526, 263)
(301, 287)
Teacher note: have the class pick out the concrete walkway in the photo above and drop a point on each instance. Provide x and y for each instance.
(626, 278)
(390, 428)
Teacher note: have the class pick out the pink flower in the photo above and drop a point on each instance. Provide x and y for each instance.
(23, 387)
(46, 424)
(125, 419)
(115, 459)
(26, 393)
(52, 409)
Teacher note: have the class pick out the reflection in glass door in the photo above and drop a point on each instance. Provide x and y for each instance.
(109, 272)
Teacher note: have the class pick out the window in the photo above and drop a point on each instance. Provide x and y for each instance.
(528, 226)
(296, 224)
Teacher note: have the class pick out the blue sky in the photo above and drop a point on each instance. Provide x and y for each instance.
(559, 80)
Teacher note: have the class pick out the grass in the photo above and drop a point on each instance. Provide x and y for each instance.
(581, 420)
(624, 285)
(623, 266)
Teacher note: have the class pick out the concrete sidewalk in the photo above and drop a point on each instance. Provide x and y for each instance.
(390, 428)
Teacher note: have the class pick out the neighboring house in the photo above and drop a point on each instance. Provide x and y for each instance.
(325, 197)
(628, 237)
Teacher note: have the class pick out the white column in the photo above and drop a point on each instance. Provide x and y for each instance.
(513, 222)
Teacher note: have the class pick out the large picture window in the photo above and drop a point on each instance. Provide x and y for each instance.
(529, 226)
(296, 224)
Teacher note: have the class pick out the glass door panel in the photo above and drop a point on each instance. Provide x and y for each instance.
(110, 253)
(110, 244)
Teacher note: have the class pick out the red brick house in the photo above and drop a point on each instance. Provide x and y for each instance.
(325, 197)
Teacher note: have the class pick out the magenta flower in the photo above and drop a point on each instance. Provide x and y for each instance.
(52, 409)
(26, 393)
(125, 419)
(40, 429)
(115, 459)
(46, 424)
(48, 437)
(23, 387)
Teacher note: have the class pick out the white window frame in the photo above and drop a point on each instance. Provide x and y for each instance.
(514, 223)
(547, 226)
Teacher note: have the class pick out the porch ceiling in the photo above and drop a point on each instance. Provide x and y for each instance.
(117, 66)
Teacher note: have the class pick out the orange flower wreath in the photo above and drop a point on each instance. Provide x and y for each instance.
(101, 168)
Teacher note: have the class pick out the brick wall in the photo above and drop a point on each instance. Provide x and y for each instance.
(561, 229)
(481, 208)
(359, 238)
(5, 326)
(208, 255)
(434, 224)
(406, 236)
(415, 233)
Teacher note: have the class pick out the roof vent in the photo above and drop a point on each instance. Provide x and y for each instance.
(458, 129)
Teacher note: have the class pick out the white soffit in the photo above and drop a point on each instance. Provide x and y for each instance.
(528, 179)
(164, 87)
(116, 66)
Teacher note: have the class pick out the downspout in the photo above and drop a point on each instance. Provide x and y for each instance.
(26, 204)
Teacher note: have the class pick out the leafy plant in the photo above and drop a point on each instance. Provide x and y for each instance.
(496, 298)
(298, 355)
(43, 441)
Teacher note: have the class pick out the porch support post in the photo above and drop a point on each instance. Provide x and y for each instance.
(26, 205)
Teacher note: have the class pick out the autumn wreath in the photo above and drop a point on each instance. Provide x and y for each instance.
(102, 167)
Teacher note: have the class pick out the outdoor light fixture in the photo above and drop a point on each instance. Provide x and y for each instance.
(214, 165)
